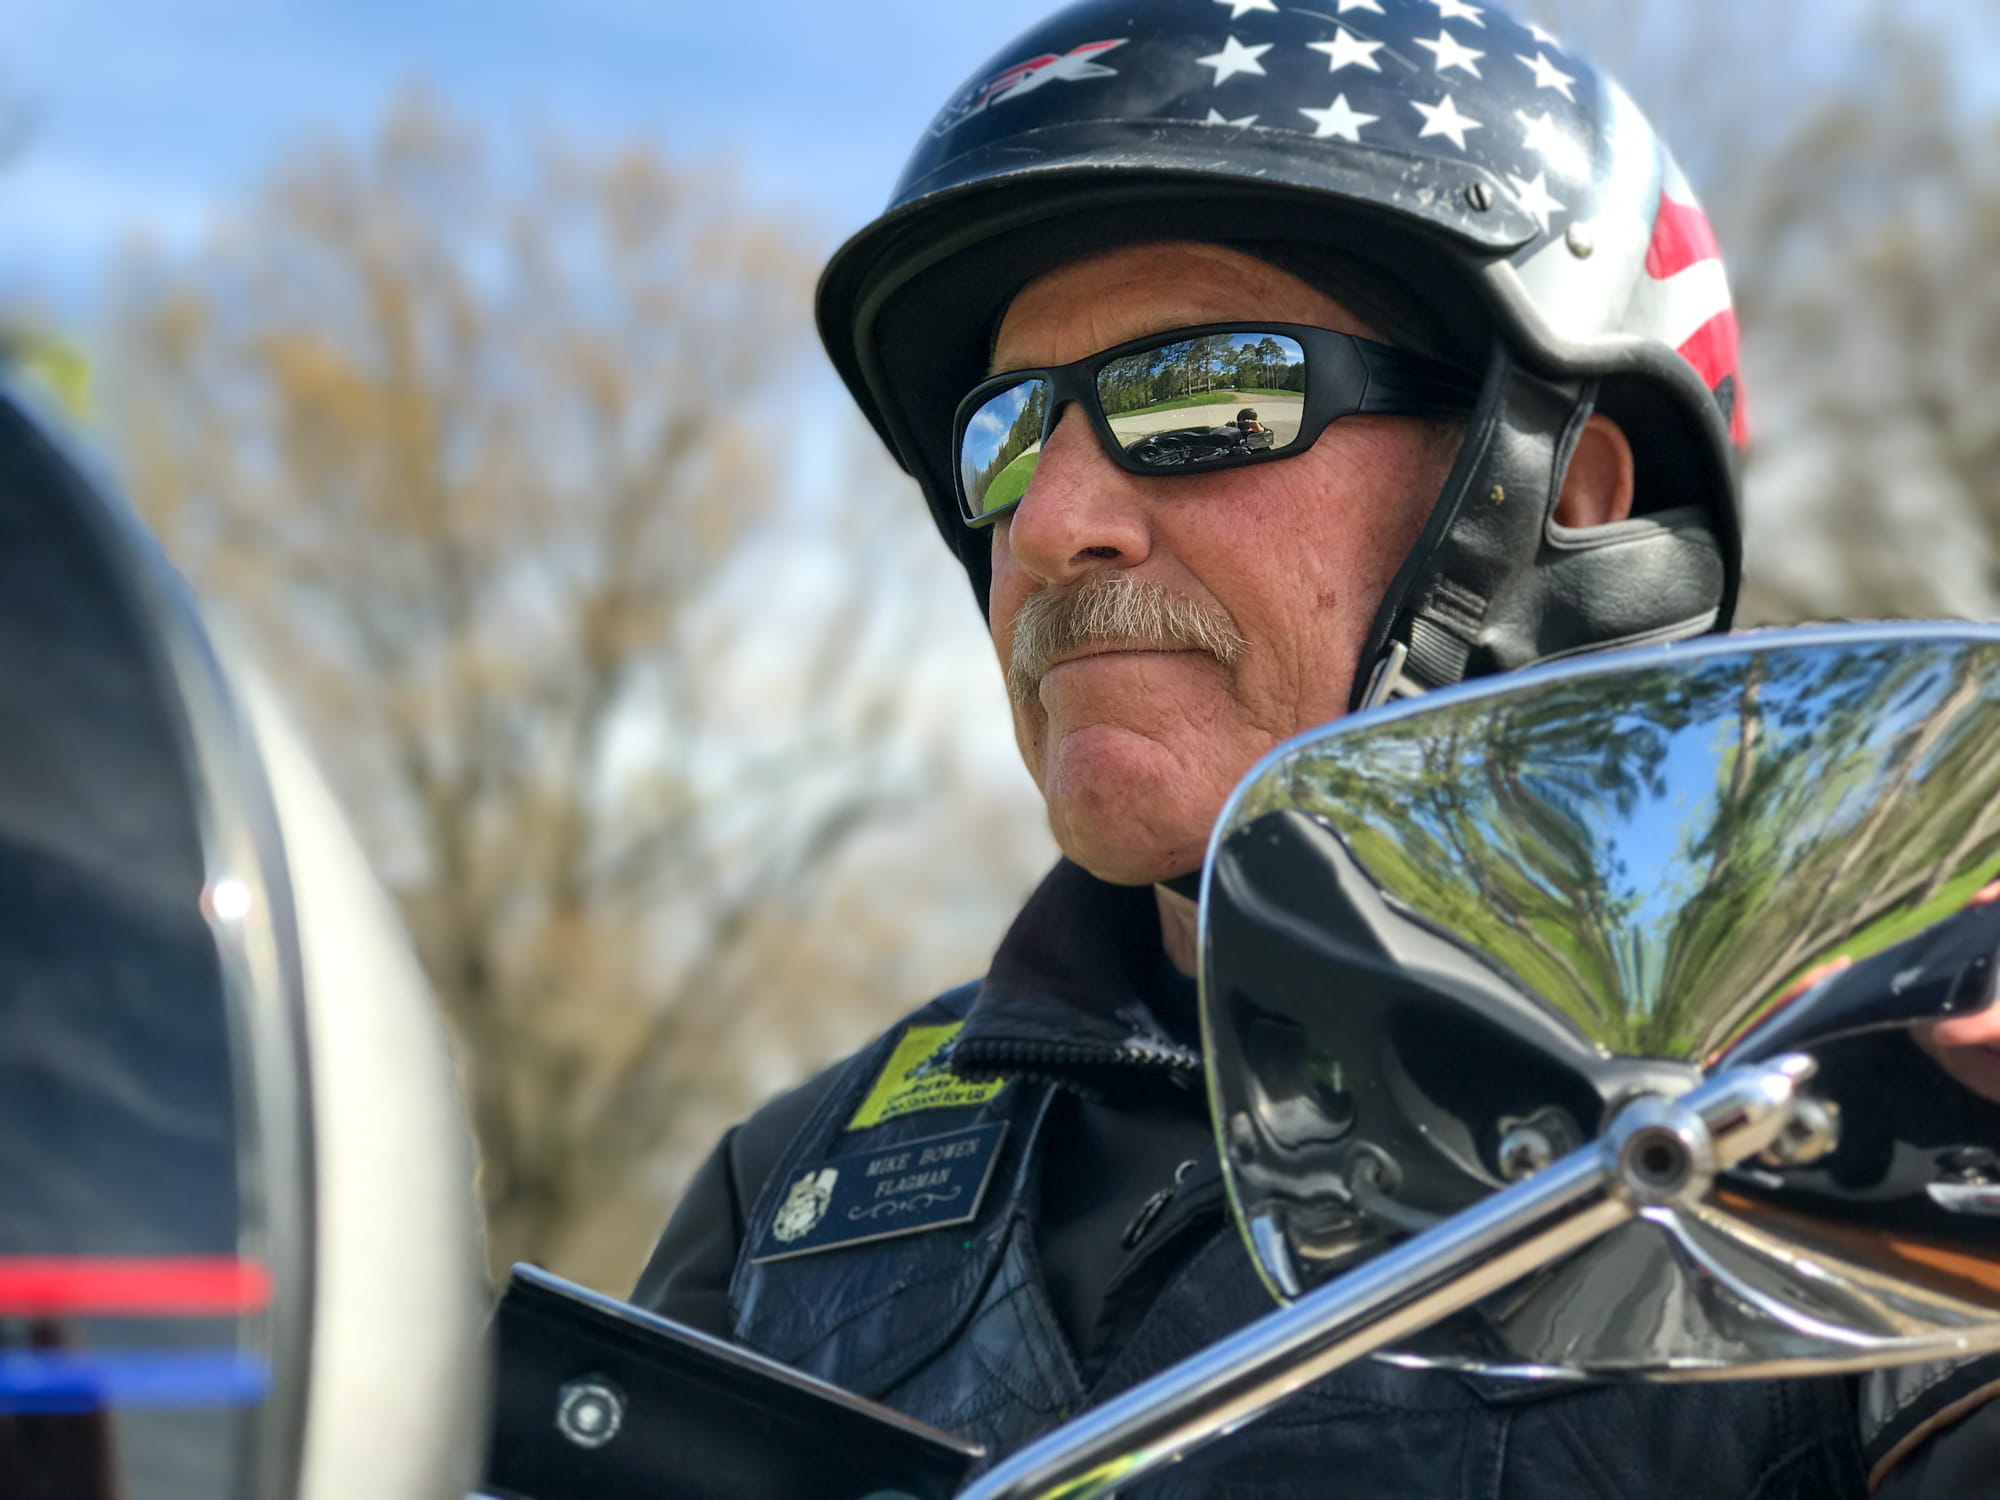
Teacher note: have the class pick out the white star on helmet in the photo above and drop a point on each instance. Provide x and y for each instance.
(1339, 119)
(1235, 58)
(1457, 10)
(1452, 53)
(1541, 134)
(1347, 48)
(1536, 198)
(1445, 120)
(1548, 75)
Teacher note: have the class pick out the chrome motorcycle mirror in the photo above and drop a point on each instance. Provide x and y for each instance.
(1627, 1018)
(1444, 943)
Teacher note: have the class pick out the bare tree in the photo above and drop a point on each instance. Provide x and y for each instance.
(1888, 334)
(485, 465)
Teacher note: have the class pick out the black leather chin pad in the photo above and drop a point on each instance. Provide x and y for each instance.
(1495, 584)
(1653, 578)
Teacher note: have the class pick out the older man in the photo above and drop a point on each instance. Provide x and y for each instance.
(1488, 330)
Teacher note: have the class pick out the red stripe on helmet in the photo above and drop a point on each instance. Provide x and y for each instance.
(1681, 237)
(1711, 349)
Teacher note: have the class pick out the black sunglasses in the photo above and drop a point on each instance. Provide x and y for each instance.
(1191, 400)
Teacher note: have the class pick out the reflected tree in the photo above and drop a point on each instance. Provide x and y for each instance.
(1659, 853)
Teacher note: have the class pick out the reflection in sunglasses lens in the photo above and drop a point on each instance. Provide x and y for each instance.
(1198, 401)
(1001, 444)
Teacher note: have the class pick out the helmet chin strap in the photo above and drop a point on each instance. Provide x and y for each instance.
(1495, 583)
(1429, 621)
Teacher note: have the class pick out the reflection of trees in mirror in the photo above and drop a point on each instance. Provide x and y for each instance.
(1194, 370)
(1414, 817)
(1841, 796)
(1922, 832)
(1487, 827)
(1023, 433)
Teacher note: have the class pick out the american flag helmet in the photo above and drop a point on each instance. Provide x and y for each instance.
(1488, 171)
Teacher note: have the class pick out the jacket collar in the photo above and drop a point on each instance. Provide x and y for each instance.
(1081, 994)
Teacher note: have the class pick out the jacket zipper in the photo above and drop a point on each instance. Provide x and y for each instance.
(1015, 1057)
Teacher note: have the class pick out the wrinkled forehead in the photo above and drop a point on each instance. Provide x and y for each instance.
(1114, 296)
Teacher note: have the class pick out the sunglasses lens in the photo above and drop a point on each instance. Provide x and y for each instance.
(1204, 400)
(999, 446)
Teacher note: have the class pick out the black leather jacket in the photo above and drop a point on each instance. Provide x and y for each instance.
(1097, 1258)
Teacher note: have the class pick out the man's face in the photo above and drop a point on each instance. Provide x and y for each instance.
(1134, 747)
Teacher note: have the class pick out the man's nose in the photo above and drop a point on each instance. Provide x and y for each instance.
(1080, 512)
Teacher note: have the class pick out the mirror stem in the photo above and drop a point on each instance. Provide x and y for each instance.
(1655, 1151)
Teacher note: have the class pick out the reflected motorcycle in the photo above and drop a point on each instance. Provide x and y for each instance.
(1196, 445)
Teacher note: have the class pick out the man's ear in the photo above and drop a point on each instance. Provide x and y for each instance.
(1598, 487)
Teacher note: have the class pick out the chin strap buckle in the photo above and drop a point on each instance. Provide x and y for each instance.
(1390, 681)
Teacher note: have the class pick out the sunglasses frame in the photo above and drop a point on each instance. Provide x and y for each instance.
(1346, 375)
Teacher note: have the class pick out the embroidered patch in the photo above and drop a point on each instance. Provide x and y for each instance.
(872, 1195)
(914, 1078)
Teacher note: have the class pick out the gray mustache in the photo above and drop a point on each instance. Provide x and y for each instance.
(1113, 607)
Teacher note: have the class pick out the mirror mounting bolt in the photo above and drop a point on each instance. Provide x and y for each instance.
(1661, 1153)
(1812, 1133)
(1524, 1151)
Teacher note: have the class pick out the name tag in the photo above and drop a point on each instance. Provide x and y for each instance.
(849, 1200)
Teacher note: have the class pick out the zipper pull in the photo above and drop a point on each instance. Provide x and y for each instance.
(1152, 1208)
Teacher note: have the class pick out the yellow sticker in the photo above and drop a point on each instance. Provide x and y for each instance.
(910, 1081)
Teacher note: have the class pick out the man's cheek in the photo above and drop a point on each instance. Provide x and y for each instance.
(1001, 629)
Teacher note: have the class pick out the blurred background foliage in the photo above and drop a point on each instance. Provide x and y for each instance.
(514, 463)
(492, 473)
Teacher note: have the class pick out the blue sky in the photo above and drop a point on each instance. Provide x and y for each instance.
(157, 115)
